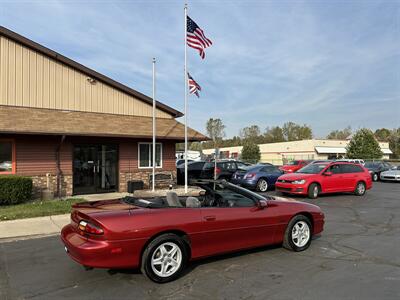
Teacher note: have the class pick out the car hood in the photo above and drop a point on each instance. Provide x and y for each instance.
(295, 176)
(391, 172)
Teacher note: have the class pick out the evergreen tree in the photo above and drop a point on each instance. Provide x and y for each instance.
(251, 152)
(364, 145)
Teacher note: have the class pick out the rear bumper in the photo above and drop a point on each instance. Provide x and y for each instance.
(299, 189)
(101, 254)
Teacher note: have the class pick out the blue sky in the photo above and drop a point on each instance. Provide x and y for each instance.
(328, 64)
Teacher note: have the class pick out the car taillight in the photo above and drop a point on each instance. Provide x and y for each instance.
(90, 228)
(217, 170)
(250, 175)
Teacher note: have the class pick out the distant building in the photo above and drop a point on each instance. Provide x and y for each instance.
(280, 153)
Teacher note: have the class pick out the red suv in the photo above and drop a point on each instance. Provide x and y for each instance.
(321, 178)
(293, 166)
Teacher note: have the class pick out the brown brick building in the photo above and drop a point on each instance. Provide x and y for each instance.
(74, 130)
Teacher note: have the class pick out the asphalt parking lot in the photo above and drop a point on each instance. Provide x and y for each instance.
(357, 257)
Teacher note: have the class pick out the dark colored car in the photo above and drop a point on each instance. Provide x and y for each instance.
(293, 166)
(375, 168)
(194, 171)
(260, 177)
(161, 235)
(225, 169)
(321, 178)
(182, 161)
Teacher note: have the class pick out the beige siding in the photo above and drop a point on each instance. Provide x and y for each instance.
(30, 79)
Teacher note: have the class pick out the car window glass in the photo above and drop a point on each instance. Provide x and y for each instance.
(335, 169)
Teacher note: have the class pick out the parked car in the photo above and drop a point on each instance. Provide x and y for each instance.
(225, 169)
(376, 168)
(356, 160)
(294, 165)
(182, 161)
(391, 175)
(194, 171)
(160, 235)
(321, 178)
(259, 177)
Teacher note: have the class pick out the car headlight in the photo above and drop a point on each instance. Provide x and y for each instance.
(303, 181)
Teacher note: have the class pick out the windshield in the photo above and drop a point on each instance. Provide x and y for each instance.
(371, 165)
(312, 169)
(293, 163)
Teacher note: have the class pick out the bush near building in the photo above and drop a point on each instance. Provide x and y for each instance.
(251, 152)
(364, 145)
(15, 189)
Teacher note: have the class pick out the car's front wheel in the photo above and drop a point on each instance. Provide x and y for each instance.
(313, 191)
(262, 185)
(164, 258)
(298, 234)
(375, 177)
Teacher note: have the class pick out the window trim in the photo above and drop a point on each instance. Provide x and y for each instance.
(13, 157)
(161, 155)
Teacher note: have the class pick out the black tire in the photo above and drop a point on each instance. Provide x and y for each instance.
(289, 242)
(262, 185)
(375, 177)
(165, 239)
(313, 191)
(360, 189)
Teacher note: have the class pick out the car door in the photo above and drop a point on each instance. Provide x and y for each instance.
(234, 226)
(351, 175)
(334, 181)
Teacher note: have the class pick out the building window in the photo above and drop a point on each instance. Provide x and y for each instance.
(7, 157)
(146, 155)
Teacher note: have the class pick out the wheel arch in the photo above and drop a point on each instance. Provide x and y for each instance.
(307, 215)
(317, 183)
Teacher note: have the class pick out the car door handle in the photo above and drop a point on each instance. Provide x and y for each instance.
(210, 218)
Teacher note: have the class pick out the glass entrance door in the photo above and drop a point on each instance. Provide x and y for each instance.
(95, 168)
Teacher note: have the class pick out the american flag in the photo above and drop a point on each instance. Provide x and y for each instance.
(194, 87)
(196, 38)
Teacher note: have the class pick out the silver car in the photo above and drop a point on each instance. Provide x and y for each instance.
(391, 175)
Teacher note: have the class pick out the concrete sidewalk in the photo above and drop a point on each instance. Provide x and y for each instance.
(41, 226)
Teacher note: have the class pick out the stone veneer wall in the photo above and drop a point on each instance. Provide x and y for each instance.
(143, 175)
(40, 184)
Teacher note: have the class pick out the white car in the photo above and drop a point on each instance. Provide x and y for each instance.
(356, 160)
(391, 175)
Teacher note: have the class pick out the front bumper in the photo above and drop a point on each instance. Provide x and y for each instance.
(101, 253)
(390, 178)
(299, 189)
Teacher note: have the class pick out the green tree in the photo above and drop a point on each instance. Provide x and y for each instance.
(251, 133)
(394, 142)
(383, 134)
(364, 145)
(339, 134)
(216, 131)
(251, 152)
(295, 132)
(273, 135)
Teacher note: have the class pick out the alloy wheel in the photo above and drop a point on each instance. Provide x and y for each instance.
(263, 185)
(300, 234)
(361, 188)
(166, 259)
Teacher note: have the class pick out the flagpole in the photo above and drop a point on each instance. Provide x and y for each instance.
(186, 108)
(154, 125)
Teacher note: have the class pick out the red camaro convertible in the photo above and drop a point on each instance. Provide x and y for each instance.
(160, 235)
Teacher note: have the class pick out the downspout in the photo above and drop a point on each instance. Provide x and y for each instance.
(58, 165)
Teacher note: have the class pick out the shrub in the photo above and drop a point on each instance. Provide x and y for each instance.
(15, 189)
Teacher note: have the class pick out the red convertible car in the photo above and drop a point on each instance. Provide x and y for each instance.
(160, 235)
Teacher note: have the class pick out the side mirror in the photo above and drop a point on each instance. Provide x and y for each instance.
(328, 173)
(262, 204)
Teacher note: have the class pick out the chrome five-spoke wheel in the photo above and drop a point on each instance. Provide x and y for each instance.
(300, 234)
(166, 259)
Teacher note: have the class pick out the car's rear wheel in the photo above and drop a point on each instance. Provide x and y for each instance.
(313, 191)
(298, 234)
(164, 258)
(360, 189)
(375, 177)
(262, 185)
